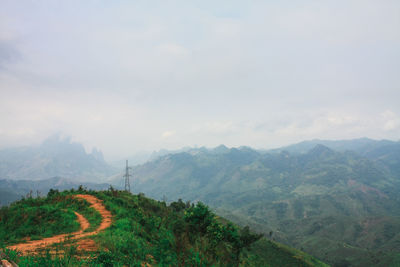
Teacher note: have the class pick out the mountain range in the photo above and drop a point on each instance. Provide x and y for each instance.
(337, 200)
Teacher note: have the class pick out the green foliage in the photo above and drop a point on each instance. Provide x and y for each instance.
(199, 218)
(68, 258)
(36, 218)
(145, 231)
(317, 200)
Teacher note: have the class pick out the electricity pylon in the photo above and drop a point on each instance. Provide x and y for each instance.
(127, 175)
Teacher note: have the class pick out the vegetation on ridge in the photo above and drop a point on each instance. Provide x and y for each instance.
(36, 218)
(342, 207)
(145, 231)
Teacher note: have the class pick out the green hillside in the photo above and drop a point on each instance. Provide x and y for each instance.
(36, 218)
(143, 231)
(340, 206)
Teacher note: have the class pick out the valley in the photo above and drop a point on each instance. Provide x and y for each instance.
(338, 201)
(339, 205)
(200, 133)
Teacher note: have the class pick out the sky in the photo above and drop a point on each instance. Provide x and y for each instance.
(130, 76)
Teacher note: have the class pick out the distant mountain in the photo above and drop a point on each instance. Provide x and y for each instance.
(11, 190)
(388, 156)
(385, 152)
(54, 157)
(361, 145)
(135, 159)
(7, 197)
(339, 204)
(143, 157)
(162, 152)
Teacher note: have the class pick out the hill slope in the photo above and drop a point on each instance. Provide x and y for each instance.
(343, 207)
(145, 231)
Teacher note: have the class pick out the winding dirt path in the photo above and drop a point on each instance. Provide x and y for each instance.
(97, 204)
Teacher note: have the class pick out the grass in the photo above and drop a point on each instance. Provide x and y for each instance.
(37, 218)
(145, 231)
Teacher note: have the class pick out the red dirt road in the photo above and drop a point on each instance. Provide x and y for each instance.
(32, 246)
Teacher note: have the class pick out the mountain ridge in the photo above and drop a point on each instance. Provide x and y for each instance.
(297, 196)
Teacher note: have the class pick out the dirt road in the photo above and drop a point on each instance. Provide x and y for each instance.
(32, 246)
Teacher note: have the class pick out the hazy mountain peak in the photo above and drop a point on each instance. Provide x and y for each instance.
(56, 156)
(221, 149)
(56, 139)
(97, 154)
(56, 144)
(321, 150)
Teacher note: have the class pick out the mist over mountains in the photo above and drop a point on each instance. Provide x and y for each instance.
(207, 101)
(57, 163)
(56, 156)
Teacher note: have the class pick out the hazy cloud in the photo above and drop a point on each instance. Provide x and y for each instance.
(8, 53)
(391, 121)
(168, 134)
(130, 76)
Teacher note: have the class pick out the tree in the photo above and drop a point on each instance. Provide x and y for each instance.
(52, 192)
(178, 205)
(199, 218)
(247, 238)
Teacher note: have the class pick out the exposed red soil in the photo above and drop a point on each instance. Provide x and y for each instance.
(97, 204)
(32, 246)
(82, 221)
(365, 189)
(86, 245)
(5, 263)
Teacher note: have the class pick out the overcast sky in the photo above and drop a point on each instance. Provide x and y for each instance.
(126, 76)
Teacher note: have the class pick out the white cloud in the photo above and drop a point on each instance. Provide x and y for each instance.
(120, 75)
(175, 50)
(168, 134)
(391, 120)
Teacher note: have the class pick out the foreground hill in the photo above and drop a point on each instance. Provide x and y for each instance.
(54, 157)
(143, 232)
(341, 206)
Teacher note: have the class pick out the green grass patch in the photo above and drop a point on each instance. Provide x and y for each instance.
(37, 218)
